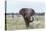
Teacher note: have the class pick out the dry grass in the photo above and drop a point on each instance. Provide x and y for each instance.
(18, 23)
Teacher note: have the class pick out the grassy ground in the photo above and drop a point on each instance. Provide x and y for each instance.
(18, 23)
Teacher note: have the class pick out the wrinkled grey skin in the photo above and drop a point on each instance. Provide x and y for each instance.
(27, 13)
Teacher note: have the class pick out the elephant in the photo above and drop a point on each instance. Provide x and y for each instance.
(27, 14)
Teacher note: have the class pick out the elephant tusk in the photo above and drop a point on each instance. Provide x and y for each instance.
(32, 19)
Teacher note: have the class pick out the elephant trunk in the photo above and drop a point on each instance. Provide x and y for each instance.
(27, 21)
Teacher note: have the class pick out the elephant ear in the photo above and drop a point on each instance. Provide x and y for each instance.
(22, 12)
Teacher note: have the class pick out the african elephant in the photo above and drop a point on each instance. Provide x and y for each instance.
(27, 13)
